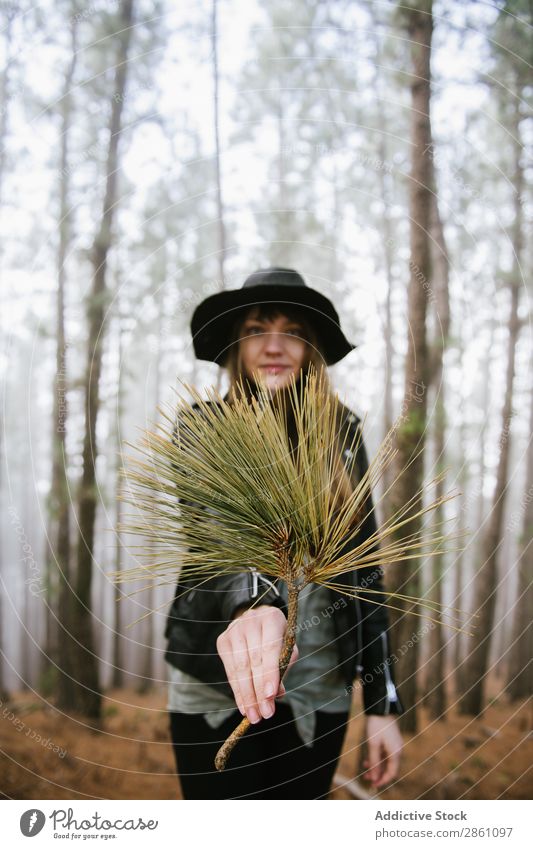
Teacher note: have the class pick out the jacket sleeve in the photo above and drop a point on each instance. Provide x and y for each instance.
(380, 695)
(231, 592)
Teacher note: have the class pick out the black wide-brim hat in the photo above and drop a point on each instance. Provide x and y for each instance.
(213, 319)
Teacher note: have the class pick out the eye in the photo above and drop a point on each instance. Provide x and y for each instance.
(253, 328)
(295, 331)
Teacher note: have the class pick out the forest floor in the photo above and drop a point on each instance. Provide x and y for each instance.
(45, 754)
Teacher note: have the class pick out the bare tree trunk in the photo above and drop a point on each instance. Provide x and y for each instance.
(59, 637)
(281, 251)
(388, 243)
(482, 438)
(520, 672)
(472, 698)
(10, 13)
(389, 349)
(471, 491)
(117, 678)
(87, 690)
(404, 578)
(435, 689)
(147, 650)
(460, 563)
(216, 122)
(220, 206)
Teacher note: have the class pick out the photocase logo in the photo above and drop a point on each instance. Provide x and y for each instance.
(31, 822)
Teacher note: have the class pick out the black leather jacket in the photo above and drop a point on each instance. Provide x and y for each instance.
(198, 615)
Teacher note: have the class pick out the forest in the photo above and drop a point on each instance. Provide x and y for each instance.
(152, 154)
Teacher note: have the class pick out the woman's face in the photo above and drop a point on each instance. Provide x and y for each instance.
(274, 347)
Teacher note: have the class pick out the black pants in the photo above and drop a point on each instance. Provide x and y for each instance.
(269, 762)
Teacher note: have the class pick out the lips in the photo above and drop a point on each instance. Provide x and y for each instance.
(274, 369)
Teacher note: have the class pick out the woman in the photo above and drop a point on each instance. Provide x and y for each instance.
(222, 652)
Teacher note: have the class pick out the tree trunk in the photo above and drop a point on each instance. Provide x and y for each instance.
(216, 123)
(464, 569)
(59, 636)
(435, 688)
(520, 672)
(281, 250)
(147, 650)
(117, 678)
(410, 431)
(87, 691)
(220, 206)
(460, 563)
(10, 13)
(385, 191)
(476, 664)
(388, 329)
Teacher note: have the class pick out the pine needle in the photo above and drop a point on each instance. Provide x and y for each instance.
(219, 487)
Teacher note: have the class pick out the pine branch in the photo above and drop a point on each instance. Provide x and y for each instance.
(226, 487)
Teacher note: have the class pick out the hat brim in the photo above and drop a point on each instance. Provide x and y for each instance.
(213, 319)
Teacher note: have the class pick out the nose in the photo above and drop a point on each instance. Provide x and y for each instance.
(274, 341)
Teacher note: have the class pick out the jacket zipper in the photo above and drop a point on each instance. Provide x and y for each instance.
(359, 637)
(391, 690)
(255, 582)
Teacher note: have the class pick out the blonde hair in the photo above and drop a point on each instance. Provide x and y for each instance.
(344, 482)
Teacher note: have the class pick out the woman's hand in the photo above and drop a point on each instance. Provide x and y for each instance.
(250, 648)
(384, 742)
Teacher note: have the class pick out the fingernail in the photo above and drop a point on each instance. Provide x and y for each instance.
(266, 709)
(253, 716)
(241, 708)
(269, 690)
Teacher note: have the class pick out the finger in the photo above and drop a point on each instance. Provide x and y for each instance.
(242, 676)
(294, 656)
(373, 760)
(233, 678)
(273, 687)
(226, 655)
(263, 681)
(391, 769)
(270, 684)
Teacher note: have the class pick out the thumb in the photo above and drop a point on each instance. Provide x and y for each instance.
(372, 760)
(294, 657)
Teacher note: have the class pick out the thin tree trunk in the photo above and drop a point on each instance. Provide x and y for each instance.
(59, 636)
(216, 122)
(482, 433)
(117, 678)
(221, 254)
(283, 218)
(388, 243)
(410, 432)
(520, 672)
(10, 13)
(389, 348)
(87, 690)
(471, 491)
(460, 562)
(435, 689)
(147, 650)
(476, 664)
